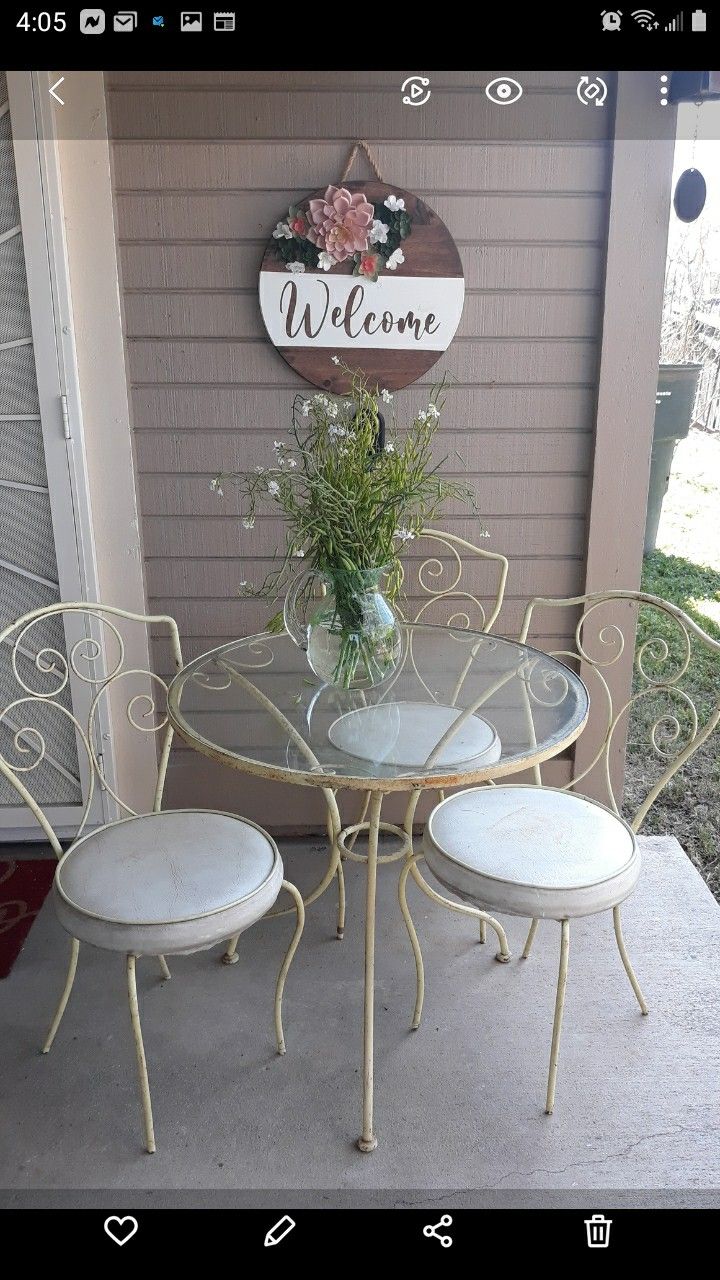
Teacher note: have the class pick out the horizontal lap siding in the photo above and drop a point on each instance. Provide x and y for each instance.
(202, 171)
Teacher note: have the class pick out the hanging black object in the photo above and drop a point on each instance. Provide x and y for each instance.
(690, 195)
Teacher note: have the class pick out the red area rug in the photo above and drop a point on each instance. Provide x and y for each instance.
(24, 886)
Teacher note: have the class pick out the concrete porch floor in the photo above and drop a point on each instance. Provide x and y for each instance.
(458, 1104)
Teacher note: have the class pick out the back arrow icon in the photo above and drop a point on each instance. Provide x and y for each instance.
(53, 94)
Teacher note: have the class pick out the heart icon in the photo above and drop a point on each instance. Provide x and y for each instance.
(121, 1229)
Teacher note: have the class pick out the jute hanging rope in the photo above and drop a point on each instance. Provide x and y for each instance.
(360, 145)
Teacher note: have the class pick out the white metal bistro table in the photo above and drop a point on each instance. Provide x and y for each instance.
(462, 708)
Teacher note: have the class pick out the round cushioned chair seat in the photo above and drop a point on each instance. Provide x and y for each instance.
(531, 851)
(176, 881)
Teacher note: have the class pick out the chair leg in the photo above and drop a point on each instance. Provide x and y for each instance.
(483, 931)
(230, 955)
(300, 907)
(140, 1052)
(69, 980)
(530, 939)
(557, 1024)
(626, 961)
(164, 969)
(341, 901)
(412, 932)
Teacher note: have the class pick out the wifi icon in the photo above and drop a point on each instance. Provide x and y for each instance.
(645, 18)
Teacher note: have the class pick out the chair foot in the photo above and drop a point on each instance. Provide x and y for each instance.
(164, 969)
(140, 1054)
(557, 1023)
(69, 980)
(341, 900)
(483, 932)
(230, 955)
(503, 959)
(626, 961)
(530, 939)
(300, 908)
(367, 1144)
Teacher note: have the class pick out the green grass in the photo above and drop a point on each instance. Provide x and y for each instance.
(689, 806)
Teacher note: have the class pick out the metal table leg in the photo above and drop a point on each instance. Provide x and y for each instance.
(367, 1140)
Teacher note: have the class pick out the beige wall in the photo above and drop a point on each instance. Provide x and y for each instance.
(203, 169)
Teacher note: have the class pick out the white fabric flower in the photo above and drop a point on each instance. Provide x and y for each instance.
(385, 395)
(216, 486)
(325, 261)
(389, 448)
(305, 408)
(259, 470)
(433, 411)
(278, 446)
(404, 535)
(395, 260)
(378, 232)
(248, 522)
(336, 432)
(273, 487)
(394, 204)
(300, 553)
(422, 416)
(244, 583)
(295, 267)
(335, 359)
(282, 232)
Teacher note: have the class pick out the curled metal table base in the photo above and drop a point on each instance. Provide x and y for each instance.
(343, 840)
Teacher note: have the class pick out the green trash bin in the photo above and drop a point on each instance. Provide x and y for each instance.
(677, 384)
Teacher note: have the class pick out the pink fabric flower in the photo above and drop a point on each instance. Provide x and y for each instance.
(340, 223)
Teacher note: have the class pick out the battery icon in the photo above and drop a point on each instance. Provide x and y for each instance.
(698, 21)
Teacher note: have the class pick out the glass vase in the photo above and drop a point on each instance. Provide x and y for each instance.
(352, 638)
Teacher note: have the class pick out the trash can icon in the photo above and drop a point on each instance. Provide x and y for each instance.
(598, 1231)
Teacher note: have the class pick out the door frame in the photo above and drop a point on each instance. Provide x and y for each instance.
(41, 219)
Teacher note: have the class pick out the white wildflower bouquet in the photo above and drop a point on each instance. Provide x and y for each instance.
(352, 494)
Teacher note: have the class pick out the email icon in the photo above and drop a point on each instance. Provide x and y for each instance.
(159, 22)
(125, 21)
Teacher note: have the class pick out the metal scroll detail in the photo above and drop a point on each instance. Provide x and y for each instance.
(98, 660)
(440, 581)
(663, 718)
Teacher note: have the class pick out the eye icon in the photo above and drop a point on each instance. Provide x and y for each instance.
(503, 91)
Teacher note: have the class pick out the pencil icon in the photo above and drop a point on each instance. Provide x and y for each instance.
(281, 1229)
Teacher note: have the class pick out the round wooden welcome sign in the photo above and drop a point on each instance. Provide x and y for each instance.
(367, 274)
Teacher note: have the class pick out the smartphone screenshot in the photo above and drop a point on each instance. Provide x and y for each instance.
(359, 633)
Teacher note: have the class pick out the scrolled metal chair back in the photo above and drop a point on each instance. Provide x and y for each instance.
(82, 644)
(440, 584)
(666, 717)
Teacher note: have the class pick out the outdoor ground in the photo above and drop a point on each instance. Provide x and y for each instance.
(459, 1103)
(685, 569)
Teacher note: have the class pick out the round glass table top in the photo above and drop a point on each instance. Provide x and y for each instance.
(460, 707)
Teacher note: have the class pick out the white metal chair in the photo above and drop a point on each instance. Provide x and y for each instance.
(166, 882)
(547, 853)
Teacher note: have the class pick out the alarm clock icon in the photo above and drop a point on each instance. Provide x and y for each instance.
(611, 19)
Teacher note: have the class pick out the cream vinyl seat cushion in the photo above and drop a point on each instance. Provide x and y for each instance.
(531, 851)
(176, 881)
